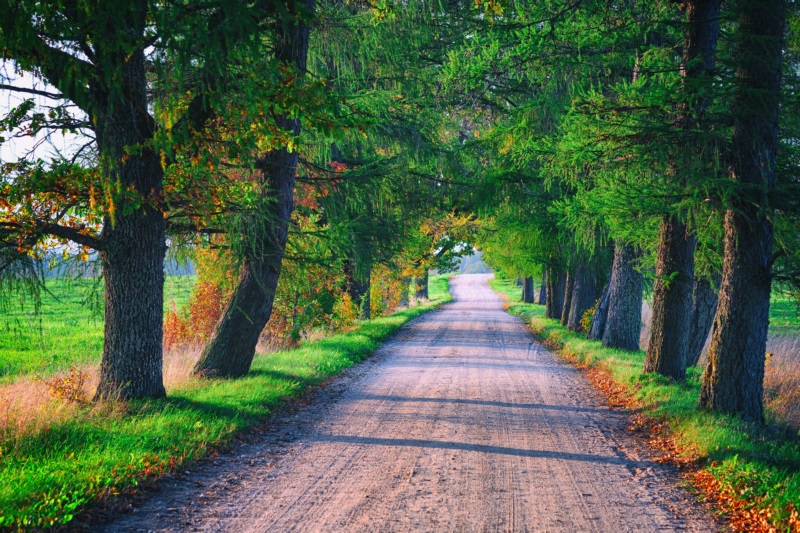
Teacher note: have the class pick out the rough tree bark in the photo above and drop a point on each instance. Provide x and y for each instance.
(668, 346)
(704, 306)
(528, 294)
(132, 253)
(543, 290)
(232, 346)
(584, 296)
(556, 285)
(598, 325)
(733, 381)
(568, 287)
(421, 283)
(667, 351)
(624, 320)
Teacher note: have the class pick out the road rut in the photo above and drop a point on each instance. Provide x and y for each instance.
(461, 422)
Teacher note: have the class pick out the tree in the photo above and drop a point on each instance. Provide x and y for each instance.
(146, 79)
(704, 307)
(584, 295)
(528, 294)
(231, 349)
(733, 379)
(623, 322)
(95, 58)
(668, 348)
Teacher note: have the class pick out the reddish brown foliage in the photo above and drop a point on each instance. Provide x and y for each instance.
(195, 324)
(744, 516)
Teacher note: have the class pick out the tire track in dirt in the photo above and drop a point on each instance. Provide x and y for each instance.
(461, 422)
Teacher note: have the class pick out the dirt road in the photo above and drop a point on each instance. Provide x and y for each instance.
(462, 422)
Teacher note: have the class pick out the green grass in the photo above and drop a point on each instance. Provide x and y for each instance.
(760, 464)
(783, 315)
(67, 330)
(45, 478)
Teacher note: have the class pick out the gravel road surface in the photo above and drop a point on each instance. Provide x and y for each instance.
(461, 422)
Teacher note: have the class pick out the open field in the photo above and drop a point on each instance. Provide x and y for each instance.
(761, 466)
(56, 457)
(784, 318)
(67, 330)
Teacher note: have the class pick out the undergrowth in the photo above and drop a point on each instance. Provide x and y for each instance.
(757, 469)
(48, 476)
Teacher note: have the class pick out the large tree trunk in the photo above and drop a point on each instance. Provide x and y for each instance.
(134, 241)
(624, 321)
(528, 293)
(232, 346)
(556, 285)
(421, 286)
(568, 287)
(584, 296)
(734, 378)
(668, 347)
(598, 325)
(543, 290)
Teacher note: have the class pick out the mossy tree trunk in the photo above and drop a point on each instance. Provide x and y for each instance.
(668, 346)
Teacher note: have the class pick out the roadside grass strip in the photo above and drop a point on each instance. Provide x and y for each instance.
(755, 470)
(48, 477)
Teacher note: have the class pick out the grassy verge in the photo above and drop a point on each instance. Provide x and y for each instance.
(49, 476)
(67, 330)
(755, 470)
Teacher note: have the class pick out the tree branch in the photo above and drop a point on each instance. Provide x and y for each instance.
(46, 94)
(73, 235)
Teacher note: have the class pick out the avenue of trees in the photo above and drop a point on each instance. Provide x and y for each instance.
(305, 150)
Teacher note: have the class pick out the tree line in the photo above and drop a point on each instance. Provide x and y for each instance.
(655, 145)
(196, 126)
(609, 148)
